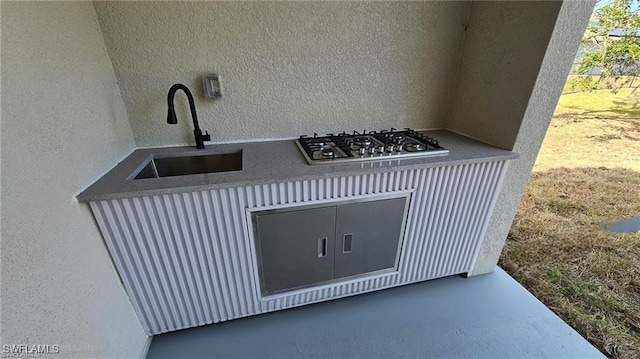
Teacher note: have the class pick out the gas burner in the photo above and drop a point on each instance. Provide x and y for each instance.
(359, 142)
(328, 152)
(368, 146)
(394, 139)
(414, 147)
(319, 144)
(362, 141)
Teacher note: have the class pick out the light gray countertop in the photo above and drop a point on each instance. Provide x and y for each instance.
(272, 162)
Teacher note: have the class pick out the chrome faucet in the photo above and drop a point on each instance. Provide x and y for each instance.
(171, 117)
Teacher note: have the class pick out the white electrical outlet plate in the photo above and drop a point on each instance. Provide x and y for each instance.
(212, 85)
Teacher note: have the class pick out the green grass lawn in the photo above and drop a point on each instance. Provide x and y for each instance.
(593, 129)
(625, 103)
(587, 175)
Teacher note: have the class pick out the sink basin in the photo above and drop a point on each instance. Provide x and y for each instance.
(158, 166)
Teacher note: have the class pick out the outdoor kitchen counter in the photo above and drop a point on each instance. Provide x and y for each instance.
(273, 162)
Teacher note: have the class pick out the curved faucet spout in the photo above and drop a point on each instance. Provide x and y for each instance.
(171, 116)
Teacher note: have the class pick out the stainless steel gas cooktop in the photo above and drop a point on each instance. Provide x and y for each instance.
(368, 146)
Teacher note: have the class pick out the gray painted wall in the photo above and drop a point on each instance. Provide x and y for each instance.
(502, 53)
(63, 125)
(556, 63)
(289, 68)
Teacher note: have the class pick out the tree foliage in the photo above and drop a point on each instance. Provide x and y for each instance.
(611, 44)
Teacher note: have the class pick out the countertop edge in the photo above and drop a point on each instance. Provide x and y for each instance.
(89, 196)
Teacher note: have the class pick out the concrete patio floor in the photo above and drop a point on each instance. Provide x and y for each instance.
(489, 316)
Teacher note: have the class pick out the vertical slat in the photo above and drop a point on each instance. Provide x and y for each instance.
(225, 253)
(127, 246)
(377, 183)
(498, 178)
(163, 265)
(471, 228)
(356, 185)
(214, 242)
(191, 258)
(170, 201)
(423, 210)
(174, 265)
(482, 201)
(441, 175)
(196, 223)
(468, 187)
(210, 275)
(234, 216)
(139, 256)
(441, 217)
(151, 259)
(451, 220)
(230, 240)
(415, 223)
(108, 228)
(313, 186)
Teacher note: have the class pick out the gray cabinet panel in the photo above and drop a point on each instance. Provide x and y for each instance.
(368, 236)
(295, 248)
(306, 246)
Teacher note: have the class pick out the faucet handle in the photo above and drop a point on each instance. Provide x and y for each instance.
(206, 136)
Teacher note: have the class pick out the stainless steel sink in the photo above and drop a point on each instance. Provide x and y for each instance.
(158, 166)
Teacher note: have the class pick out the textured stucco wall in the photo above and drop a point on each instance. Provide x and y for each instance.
(502, 53)
(289, 68)
(63, 125)
(571, 23)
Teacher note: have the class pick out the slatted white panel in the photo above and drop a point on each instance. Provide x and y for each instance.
(186, 259)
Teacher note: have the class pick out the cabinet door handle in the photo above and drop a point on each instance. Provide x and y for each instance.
(346, 242)
(322, 247)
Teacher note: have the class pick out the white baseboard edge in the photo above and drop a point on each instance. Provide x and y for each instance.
(147, 345)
